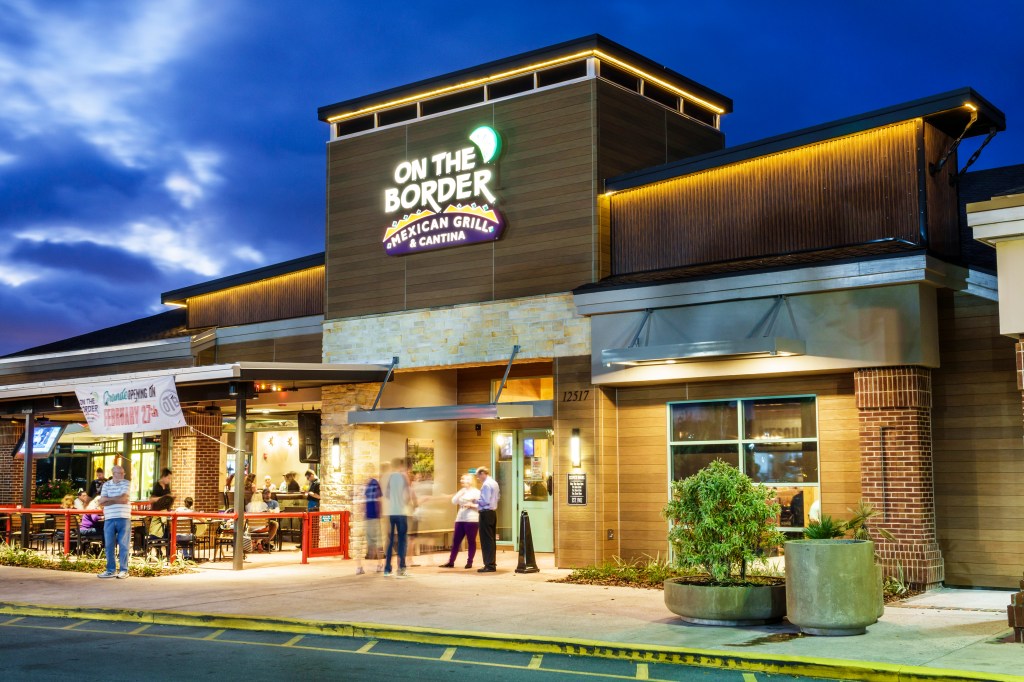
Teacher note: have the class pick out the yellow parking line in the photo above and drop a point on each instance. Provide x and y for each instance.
(366, 647)
(294, 640)
(749, 677)
(641, 671)
(73, 625)
(448, 654)
(13, 620)
(139, 630)
(536, 661)
(214, 635)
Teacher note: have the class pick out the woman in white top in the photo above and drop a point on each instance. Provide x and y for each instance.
(467, 521)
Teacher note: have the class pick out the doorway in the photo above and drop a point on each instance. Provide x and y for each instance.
(521, 462)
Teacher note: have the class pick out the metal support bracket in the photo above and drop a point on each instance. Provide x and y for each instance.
(934, 168)
(387, 377)
(508, 368)
(635, 341)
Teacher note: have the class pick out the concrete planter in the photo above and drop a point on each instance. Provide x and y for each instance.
(712, 605)
(833, 587)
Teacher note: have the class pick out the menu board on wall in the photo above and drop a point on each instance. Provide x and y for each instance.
(577, 488)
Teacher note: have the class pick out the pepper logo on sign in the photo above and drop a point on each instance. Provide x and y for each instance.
(445, 199)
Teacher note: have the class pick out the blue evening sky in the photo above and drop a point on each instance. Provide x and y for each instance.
(146, 146)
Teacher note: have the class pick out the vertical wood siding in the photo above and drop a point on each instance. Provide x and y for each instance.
(978, 449)
(297, 294)
(839, 192)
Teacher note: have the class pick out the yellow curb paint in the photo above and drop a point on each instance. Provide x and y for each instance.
(366, 647)
(139, 630)
(641, 671)
(767, 663)
(536, 661)
(294, 640)
(214, 635)
(448, 654)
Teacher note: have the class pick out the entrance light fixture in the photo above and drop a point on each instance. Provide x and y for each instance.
(574, 448)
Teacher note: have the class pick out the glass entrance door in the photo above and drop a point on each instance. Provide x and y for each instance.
(522, 467)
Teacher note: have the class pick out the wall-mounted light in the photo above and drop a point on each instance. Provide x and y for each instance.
(574, 448)
(336, 453)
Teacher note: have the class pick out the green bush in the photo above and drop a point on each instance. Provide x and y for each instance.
(826, 528)
(721, 521)
(13, 555)
(54, 491)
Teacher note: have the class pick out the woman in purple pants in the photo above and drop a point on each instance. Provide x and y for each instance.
(467, 521)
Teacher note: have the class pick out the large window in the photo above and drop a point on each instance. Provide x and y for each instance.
(772, 440)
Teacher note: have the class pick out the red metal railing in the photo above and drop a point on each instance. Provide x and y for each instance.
(330, 538)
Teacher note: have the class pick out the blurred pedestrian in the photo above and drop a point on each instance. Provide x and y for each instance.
(371, 499)
(401, 499)
(467, 521)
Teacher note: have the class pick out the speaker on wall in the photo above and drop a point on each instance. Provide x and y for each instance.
(309, 437)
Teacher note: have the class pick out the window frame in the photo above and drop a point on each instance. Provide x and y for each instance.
(742, 441)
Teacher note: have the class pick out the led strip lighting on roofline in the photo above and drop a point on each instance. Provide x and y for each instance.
(525, 69)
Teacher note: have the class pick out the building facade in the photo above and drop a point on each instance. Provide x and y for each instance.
(569, 278)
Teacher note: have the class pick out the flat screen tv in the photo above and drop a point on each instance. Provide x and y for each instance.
(44, 441)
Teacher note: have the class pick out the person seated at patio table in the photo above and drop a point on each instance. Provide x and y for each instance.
(157, 527)
(268, 526)
(91, 524)
(83, 499)
(186, 540)
(250, 487)
(272, 504)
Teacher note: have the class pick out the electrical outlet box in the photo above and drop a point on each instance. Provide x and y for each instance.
(611, 534)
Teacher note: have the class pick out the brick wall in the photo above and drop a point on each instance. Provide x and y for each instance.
(894, 407)
(359, 455)
(12, 471)
(195, 459)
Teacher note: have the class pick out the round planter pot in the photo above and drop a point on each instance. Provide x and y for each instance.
(832, 586)
(711, 605)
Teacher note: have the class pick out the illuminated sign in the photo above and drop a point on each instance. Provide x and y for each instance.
(446, 199)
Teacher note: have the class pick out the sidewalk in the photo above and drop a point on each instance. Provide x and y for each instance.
(944, 634)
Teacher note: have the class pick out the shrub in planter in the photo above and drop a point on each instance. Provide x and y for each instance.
(833, 586)
(721, 523)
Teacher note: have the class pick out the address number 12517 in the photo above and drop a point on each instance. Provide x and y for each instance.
(575, 396)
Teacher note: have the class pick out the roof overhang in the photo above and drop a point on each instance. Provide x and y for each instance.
(444, 413)
(206, 382)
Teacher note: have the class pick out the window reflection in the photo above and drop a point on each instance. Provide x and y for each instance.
(689, 459)
(704, 421)
(781, 462)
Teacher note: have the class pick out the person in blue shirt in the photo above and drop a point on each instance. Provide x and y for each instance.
(313, 491)
(488, 506)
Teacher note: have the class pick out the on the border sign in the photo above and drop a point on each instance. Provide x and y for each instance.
(446, 199)
(577, 488)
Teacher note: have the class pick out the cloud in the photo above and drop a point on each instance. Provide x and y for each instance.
(189, 186)
(172, 247)
(91, 72)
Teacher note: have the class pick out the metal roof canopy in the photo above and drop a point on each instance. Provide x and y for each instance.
(208, 382)
(442, 413)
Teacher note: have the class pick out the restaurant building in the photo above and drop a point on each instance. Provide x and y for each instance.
(553, 266)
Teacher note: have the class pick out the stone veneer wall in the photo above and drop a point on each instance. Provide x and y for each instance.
(195, 460)
(897, 479)
(359, 457)
(476, 333)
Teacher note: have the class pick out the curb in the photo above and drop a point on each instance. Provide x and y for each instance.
(707, 658)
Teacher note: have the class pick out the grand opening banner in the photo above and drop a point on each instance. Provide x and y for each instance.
(131, 406)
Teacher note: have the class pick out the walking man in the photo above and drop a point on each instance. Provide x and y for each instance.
(400, 499)
(117, 518)
(488, 505)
